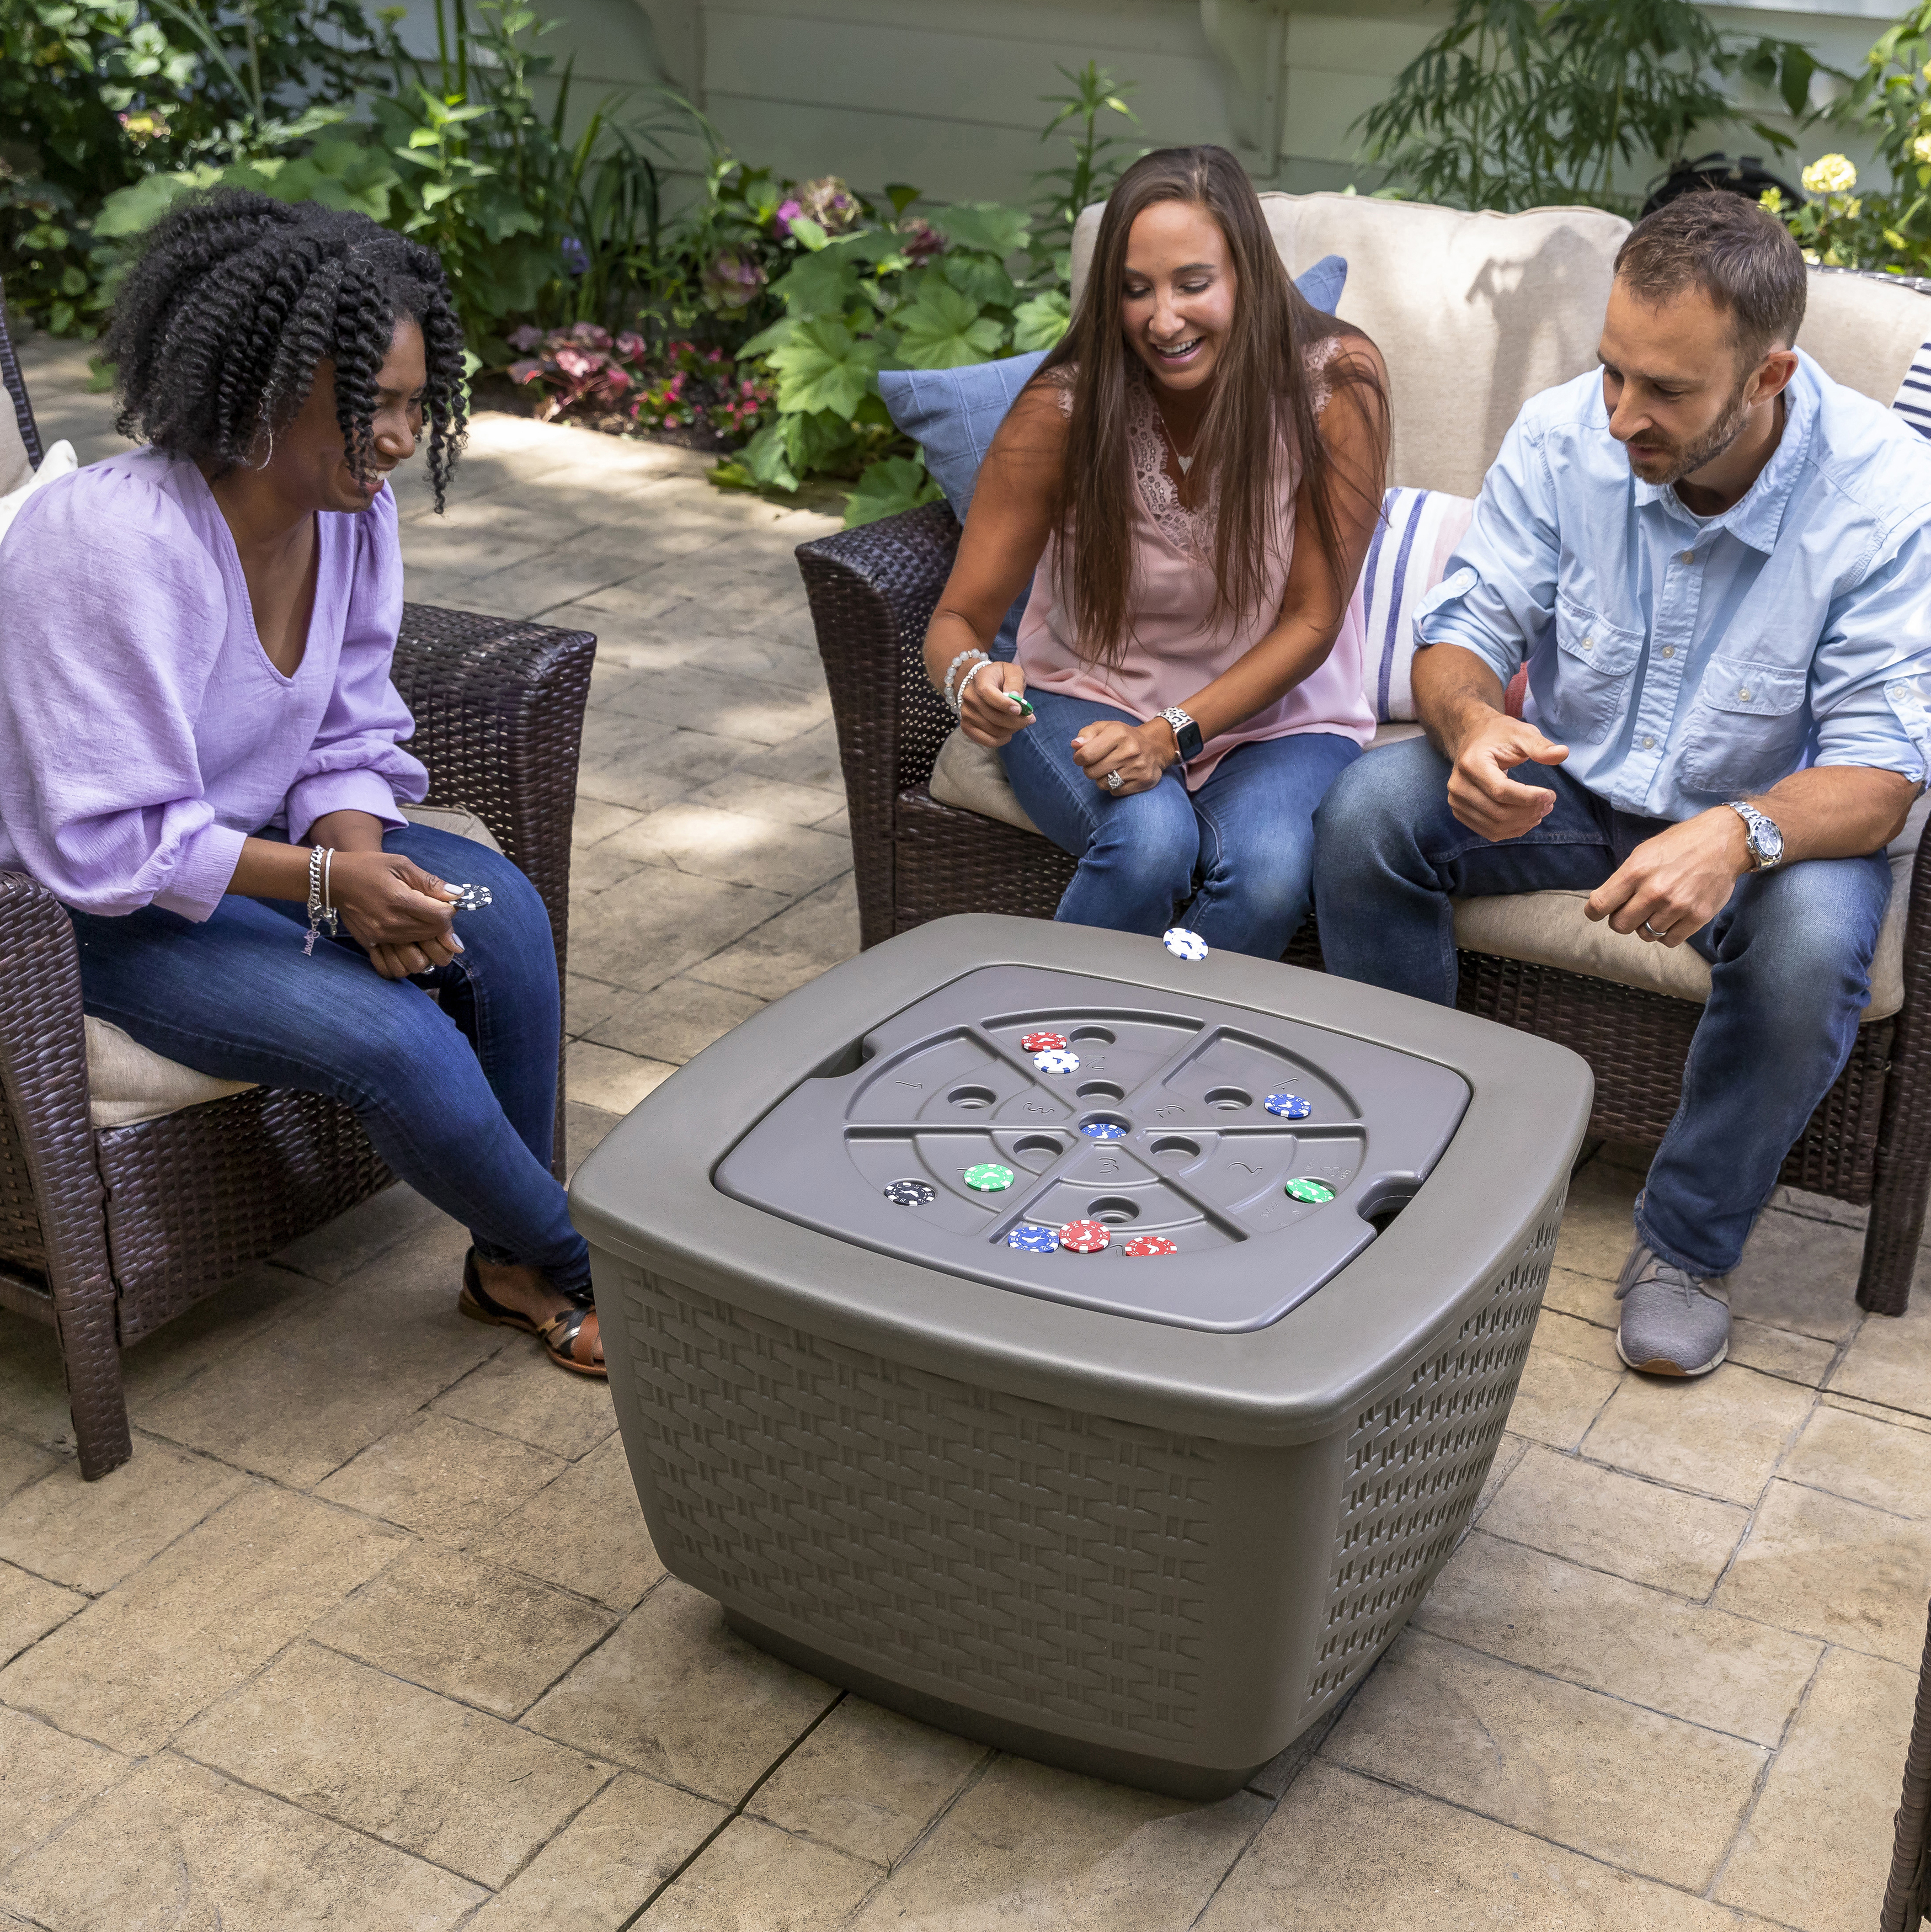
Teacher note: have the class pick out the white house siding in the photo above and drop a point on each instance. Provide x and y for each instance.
(945, 94)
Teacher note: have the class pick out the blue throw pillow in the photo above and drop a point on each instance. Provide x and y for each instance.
(952, 414)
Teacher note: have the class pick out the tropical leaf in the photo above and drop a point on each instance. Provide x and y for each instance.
(892, 484)
(823, 366)
(988, 226)
(1039, 323)
(980, 277)
(944, 329)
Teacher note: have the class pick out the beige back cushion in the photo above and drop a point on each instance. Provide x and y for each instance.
(1475, 313)
(14, 467)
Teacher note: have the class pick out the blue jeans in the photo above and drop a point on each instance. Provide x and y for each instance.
(1789, 957)
(1237, 855)
(460, 1098)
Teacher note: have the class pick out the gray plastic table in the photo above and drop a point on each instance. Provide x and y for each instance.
(1130, 1432)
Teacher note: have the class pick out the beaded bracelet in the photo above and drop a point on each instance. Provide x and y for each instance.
(952, 671)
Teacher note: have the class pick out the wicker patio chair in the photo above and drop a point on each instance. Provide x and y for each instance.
(1907, 1898)
(872, 591)
(106, 1234)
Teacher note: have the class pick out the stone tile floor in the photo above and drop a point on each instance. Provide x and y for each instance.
(369, 1634)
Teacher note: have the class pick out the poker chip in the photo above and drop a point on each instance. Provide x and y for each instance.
(1104, 1130)
(1183, 944)
(989, 1177)
(1032, 1237)
(1313, 1192)
(469, 898)
(911, 1193)
(1042, 1042)
(1149, 1244)
(1084, 1238)
(1289, 1106)
(1056, 1060)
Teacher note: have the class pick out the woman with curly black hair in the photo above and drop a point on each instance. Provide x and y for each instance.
(199, 741)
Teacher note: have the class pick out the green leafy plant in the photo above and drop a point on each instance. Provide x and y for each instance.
(1890, 103)
(1097, 158)
(96, 95)
(1516, 104)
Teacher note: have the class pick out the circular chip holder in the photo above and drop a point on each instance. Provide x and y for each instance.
(1148, 1523)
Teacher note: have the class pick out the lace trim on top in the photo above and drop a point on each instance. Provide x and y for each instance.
(1191, 532)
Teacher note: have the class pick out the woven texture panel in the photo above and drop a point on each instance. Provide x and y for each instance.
(990, 1546)
(1907, 1897)
(1416, 1459)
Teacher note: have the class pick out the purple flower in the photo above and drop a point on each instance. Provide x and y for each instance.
(828, 202)
(630, 346)
(525, 339)
(588, 335)
(731, 282)
(919, 238)
(788, 211)
(576, 256)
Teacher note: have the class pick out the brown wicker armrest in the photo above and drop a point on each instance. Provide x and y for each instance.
(1902, 1175)
(873, 591)
(43, 1073)
(499, 708)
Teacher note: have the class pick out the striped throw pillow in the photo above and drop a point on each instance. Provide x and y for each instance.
(1913, 393)
(1417, 535)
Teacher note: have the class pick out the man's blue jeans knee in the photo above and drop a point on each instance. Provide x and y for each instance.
(1789, 968)
(457, 1091)
(1233, 861)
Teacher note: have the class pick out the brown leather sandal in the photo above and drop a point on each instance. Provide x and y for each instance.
(558, 1335)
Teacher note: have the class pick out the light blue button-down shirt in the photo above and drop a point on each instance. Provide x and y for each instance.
(1685, 660)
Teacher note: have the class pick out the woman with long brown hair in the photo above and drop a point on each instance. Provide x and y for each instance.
(1193, 475)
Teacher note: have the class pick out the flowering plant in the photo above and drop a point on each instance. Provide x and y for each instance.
(586, 372)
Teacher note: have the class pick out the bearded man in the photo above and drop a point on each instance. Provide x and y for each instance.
(1713, 560)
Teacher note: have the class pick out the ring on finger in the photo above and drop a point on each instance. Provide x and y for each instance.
(1652, 931)
(1114, 781)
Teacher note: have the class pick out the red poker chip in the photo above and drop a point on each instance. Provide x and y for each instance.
(1150, 1244)
(1084, 1238)
(1043, 1042)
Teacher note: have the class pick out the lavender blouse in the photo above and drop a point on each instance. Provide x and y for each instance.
(144, 734)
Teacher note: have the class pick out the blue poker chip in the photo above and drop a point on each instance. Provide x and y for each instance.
(1183, 944)
(1103, 1130)
(1289, 1106)
(911, 1193)
(1033, 1239)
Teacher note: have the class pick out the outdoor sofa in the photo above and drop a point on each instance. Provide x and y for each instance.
(1474, 314)
(131, 1186)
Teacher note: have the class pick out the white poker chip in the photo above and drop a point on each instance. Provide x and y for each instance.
(1183, 944)
(1057, 1059)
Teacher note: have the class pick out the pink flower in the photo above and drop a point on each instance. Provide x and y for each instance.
(630, 346)
(588, 335)
(787, 212)
(575, 364)
(527, 338)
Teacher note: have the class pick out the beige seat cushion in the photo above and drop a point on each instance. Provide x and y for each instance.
(126, 1081)
(1548, 929)
(14, 467)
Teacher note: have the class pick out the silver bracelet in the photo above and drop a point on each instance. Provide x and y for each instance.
(321, 914)
(952, 671)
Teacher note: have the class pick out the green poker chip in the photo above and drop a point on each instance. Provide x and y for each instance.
(989, 1177)
(1313, 1192)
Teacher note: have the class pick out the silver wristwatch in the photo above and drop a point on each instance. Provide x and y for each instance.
(1766, 842)
(1186, 732)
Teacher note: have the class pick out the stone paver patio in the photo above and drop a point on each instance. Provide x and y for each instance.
(370, 1635)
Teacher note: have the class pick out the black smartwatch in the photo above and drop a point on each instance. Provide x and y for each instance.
(1186, 732)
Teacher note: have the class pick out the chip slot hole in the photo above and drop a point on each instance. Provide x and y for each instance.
(1175, 1146)
(1113, 1211)
(1090, 1037)
(972, 1098)
(1043, 1144)
(1229, 1099)
(1101, 1089)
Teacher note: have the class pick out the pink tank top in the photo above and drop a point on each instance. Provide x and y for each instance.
(1174, 652)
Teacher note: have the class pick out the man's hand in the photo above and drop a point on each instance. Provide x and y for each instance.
(1139, 753)
(1674, 884)
(986, 706)
(1480, 792)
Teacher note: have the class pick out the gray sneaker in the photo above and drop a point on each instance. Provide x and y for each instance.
(1673, 1324)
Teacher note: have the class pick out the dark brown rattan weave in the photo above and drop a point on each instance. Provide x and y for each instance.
(16, 386)
(1907, 1898)
(872, 591)
(108, 1235)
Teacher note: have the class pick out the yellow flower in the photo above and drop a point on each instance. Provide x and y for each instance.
(1830, 174)
(1920, 148)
